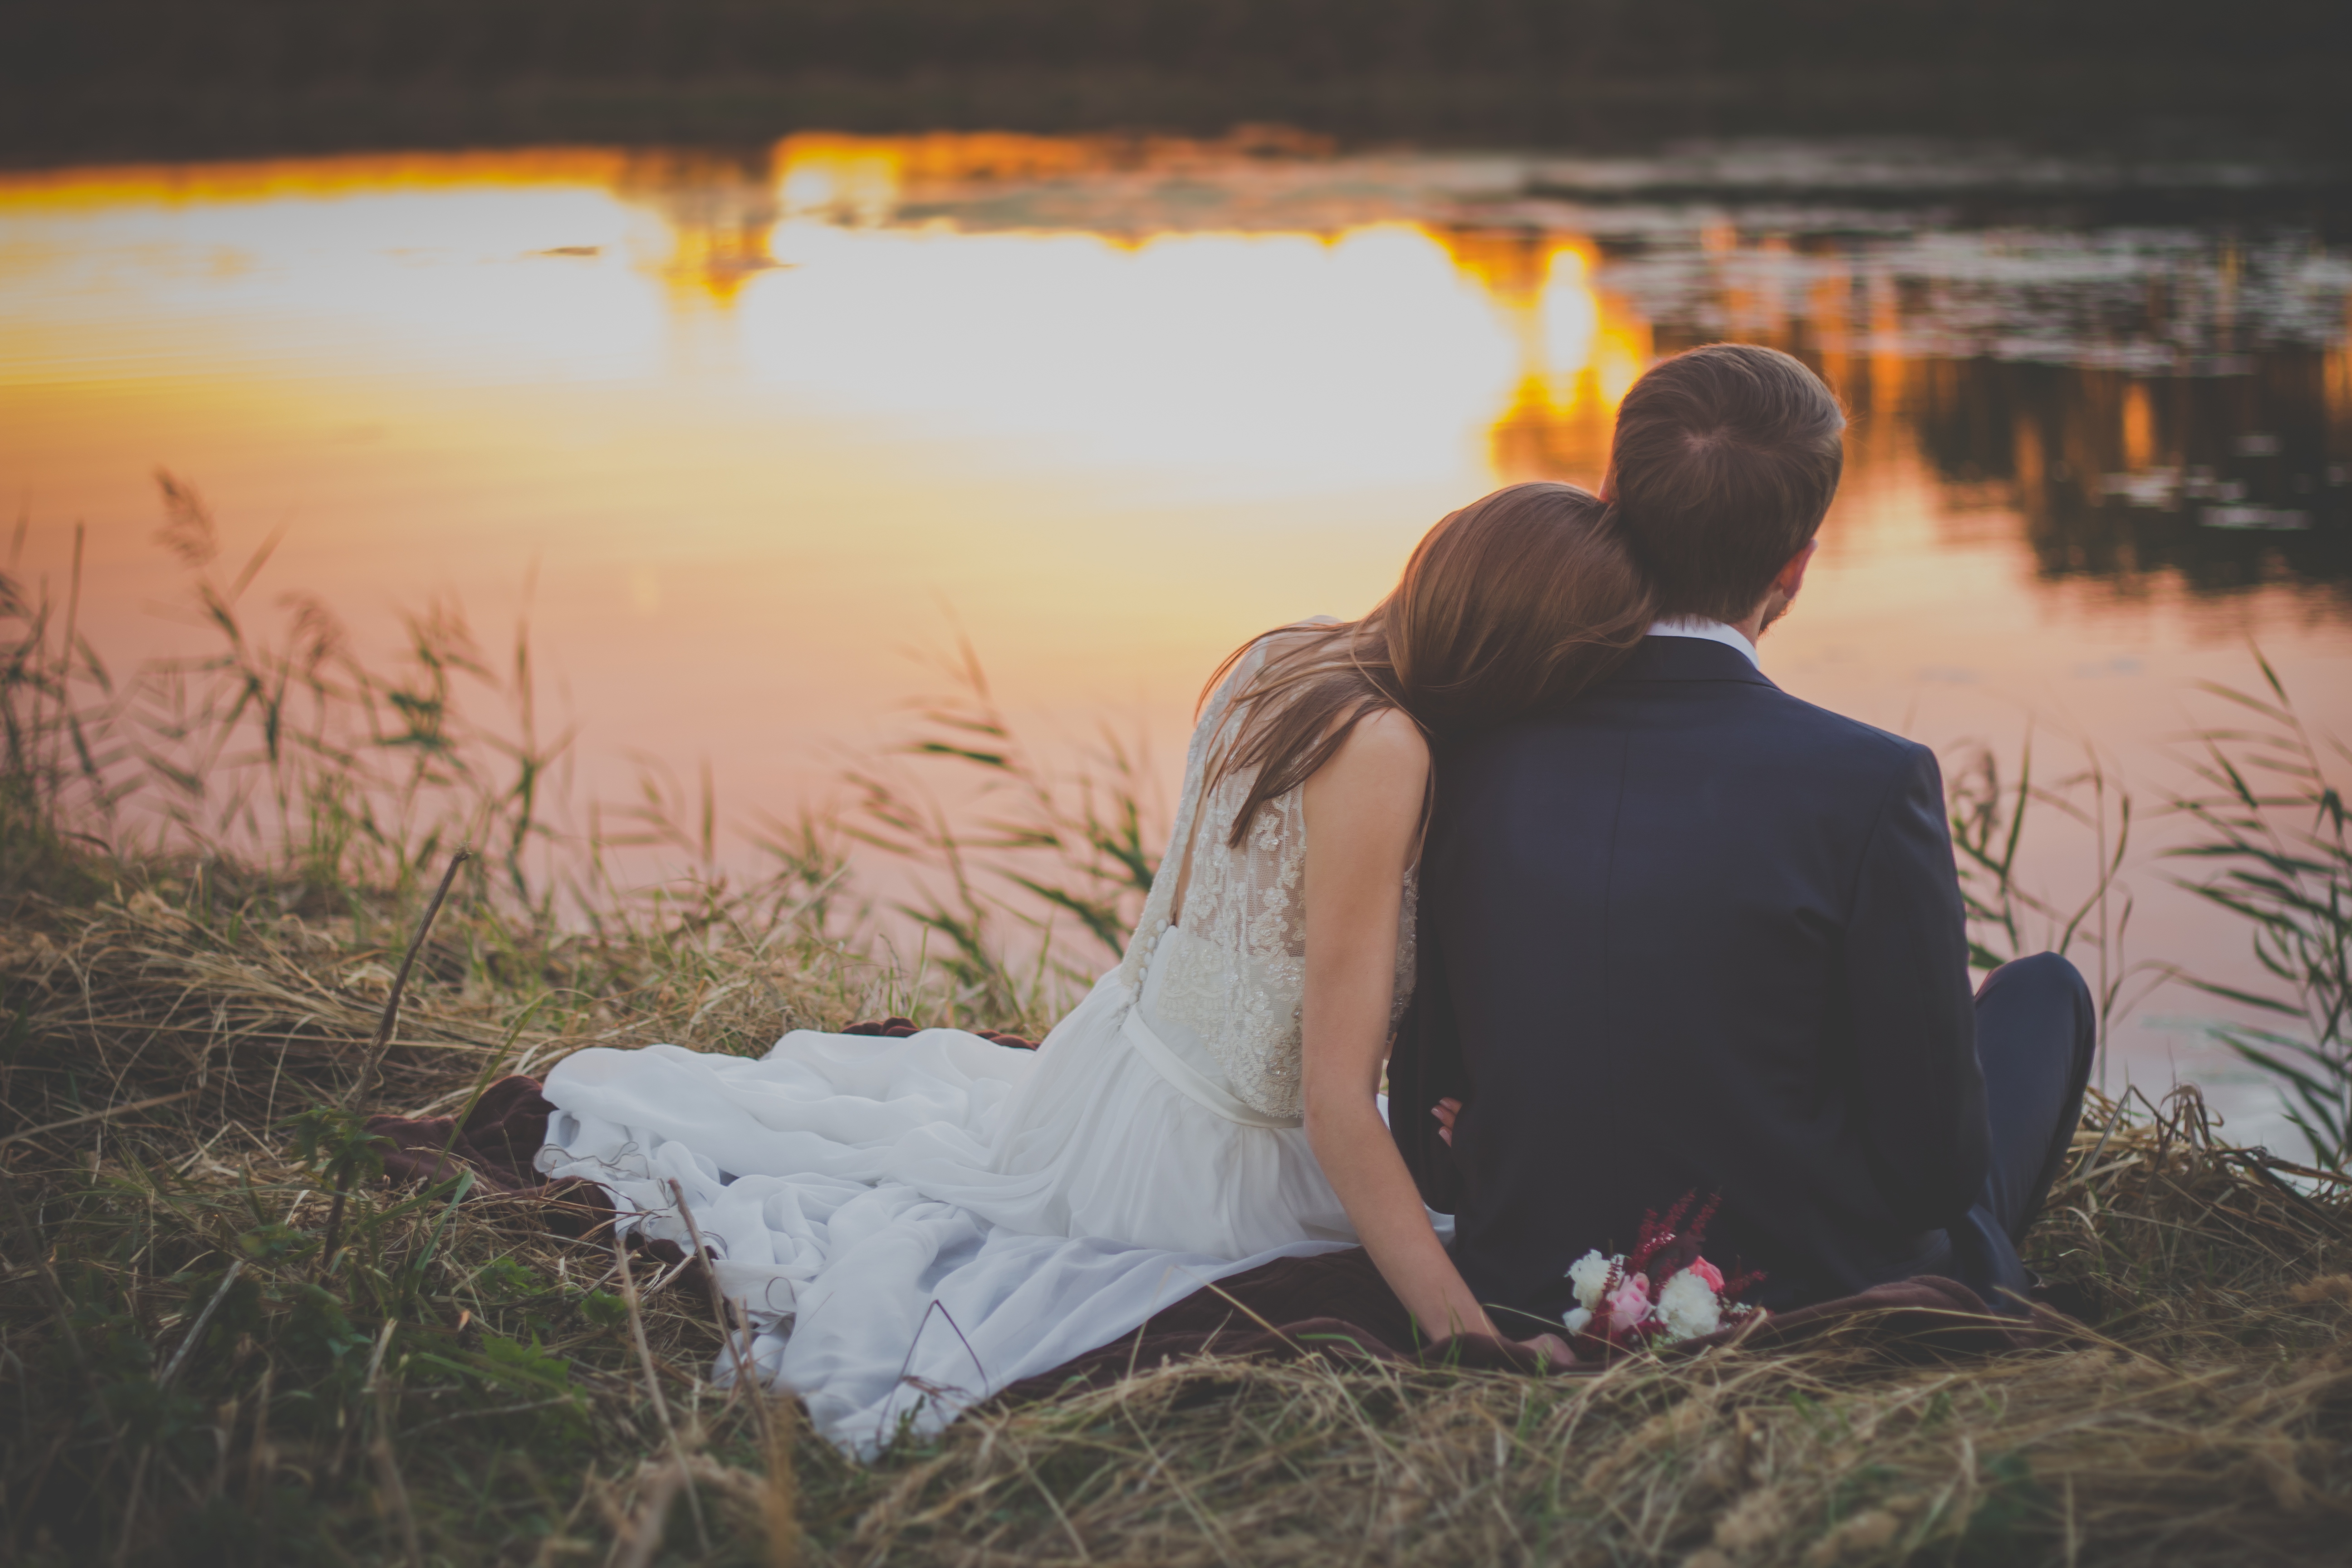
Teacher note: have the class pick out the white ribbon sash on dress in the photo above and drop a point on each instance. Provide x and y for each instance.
(1186, 1077)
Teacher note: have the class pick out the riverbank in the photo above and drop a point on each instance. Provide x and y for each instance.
(186, 1378)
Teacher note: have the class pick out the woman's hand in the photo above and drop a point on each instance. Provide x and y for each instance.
(1447, 1110)
(1551, 1349)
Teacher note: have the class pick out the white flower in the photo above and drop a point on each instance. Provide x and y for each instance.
(1576, 1317)
(1688, 1308)
(1590, 1275)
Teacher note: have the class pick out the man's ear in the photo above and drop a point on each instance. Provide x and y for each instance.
(1792, 575)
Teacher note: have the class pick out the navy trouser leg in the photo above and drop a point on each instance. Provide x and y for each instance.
(2037, 1029)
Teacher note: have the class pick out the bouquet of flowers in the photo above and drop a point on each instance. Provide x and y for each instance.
(1662, 1291)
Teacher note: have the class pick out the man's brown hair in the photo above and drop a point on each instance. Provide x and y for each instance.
(1722, 466)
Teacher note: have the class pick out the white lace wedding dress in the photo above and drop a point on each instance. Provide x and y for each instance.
(916, 1223)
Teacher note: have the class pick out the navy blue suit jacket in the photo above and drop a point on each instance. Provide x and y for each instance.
(1688, 933)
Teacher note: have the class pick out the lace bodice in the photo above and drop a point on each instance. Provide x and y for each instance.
(1238, 984)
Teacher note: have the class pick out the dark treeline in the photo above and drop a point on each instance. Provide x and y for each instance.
(289, 42)
(89, 73)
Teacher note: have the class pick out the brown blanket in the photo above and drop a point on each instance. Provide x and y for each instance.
(1334, 1305)
(501, 1137)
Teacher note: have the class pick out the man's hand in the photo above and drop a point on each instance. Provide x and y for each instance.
(1445, 1110)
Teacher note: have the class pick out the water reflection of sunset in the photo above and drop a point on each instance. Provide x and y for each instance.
(757, 424)
(887, 277)
(1578, 350)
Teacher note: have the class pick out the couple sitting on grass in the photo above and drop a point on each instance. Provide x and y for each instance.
(1620, 922)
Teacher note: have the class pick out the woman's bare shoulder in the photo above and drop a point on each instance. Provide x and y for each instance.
(1385, 746)
(1373, 788)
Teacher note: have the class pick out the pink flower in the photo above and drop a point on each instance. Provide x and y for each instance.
(1708, 1272)
(1630, 1307)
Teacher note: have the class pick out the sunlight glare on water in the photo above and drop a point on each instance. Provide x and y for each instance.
(1085, 355)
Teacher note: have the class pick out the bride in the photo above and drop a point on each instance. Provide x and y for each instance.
(912, 1223)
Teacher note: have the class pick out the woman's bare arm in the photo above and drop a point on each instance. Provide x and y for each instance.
(1363, 825)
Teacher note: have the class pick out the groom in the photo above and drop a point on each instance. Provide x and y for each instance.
(1688, 932)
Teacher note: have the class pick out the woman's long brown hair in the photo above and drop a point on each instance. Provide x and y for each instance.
(1521, 599)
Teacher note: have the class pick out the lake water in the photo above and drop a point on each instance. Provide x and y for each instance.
(758, 433)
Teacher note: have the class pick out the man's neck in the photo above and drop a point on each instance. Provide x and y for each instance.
(1700, 626)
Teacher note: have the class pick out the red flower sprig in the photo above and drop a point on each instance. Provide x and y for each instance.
(1663, 1289)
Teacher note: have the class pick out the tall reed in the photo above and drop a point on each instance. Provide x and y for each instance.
(2010, 915)
(1052, 865)
(2275, 837)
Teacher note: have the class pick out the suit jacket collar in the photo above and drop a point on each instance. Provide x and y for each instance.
(1689, 658)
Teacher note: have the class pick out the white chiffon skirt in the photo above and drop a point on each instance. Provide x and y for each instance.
(914, 1224)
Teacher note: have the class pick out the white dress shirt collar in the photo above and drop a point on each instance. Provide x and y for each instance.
(1711, 631)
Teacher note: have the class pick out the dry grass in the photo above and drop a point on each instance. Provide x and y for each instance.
(249, 1014)
(464, 1387)
(2209, 1423)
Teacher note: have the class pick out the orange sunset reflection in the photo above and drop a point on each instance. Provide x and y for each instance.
(1578, 350)
(703, 226)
